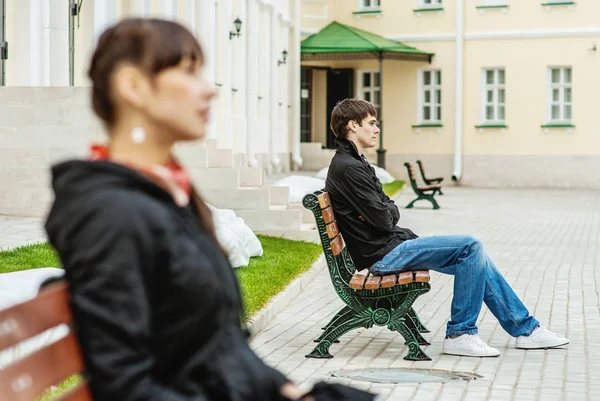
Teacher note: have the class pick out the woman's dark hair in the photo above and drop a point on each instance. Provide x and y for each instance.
(152, 45)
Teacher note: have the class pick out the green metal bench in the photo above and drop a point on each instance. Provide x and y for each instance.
(370, 300)
(430, 180)
(426, 192)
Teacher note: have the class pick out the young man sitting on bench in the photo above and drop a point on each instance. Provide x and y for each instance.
(367, 219)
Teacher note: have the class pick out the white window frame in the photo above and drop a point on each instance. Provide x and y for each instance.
(496, 86)
(431, 4)
(361, 90)
(369, 4)
(561, 103)
(491, 3)
(421, 96)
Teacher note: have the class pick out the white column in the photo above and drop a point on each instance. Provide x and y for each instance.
(239, 66)
(167, 9)
(264, 84)
(58, 42)
(188, 14)
(45, 54)
(274, 89)
(105, 14)
(252, 132)
(284, 128)
(294, 84)
(223, 74)
(206, 25)
(139, 8)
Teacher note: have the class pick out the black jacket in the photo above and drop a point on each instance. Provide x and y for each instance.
(365, 215)
(156, 305)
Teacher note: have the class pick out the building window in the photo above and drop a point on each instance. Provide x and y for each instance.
(430, 96)
(493, 96)
(431, 3)
(559, 94)
(370, 4)
(370, 89)
(492, 3)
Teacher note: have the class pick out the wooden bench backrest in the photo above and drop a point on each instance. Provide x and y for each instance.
(27, 378)
(333, 233)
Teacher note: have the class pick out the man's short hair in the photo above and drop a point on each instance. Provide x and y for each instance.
(349, 110)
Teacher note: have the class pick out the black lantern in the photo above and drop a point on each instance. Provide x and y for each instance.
(238, 27)
(284, 55)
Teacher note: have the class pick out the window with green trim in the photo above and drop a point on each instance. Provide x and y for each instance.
(369, 5)
(559, 106)
(430, 3)
(493, 96)
(369, 86)
(493, 3)
(430, 97)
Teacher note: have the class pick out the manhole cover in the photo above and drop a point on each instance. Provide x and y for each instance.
(405, 375)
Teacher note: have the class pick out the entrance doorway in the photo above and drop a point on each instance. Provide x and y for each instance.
(339, 87)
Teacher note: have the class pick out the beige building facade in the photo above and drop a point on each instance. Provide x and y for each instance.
(508, 99)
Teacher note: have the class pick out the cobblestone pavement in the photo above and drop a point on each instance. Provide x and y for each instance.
(546, 244)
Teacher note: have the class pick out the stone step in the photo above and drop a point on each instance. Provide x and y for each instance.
(307, 216)
(215, 178)
(279, 194)
(248, 199)
(216, 157)
(295, 235)
(192, 155)
(268, 220)
(252, 176)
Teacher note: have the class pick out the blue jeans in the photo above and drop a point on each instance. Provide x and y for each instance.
(476, 280)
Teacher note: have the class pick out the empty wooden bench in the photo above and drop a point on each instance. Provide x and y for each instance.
(370, 300)
(426, 192)
(430, 180)
(26, 379)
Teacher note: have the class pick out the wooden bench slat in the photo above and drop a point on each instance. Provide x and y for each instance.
(332, 230)
(324, 200)
(328, 215)
(389, 281)
(32, 317)
(372, 282)
(358, 279)
(405, 278)
(422, 276)
(337, 245)
(27, 378)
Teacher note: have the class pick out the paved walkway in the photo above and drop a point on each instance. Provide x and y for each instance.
(546, 244)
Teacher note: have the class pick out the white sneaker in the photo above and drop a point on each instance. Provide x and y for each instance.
(540, 338)
(468, 345)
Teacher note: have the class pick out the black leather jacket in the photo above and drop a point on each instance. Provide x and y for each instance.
(365, 215)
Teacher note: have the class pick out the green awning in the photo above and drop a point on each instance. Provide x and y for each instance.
(339, 41)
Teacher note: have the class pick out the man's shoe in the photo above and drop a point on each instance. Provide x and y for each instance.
(468, 345)
(540, 338)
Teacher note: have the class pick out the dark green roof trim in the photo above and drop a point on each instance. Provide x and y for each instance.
(425, 125)
(564, 3)
(492, 126)
(558, 125)
(498, 6)
(367, 12)
(424, 10)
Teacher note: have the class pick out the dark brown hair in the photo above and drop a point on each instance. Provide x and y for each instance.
(152, 45)
(349, 110)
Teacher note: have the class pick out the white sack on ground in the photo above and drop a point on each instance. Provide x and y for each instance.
(384, 176)
(20, 286)
(236, 237)
(300, 185)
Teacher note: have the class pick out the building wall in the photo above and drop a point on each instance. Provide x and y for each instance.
(524, 39)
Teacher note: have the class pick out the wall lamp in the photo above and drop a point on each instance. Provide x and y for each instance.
(284, 56)
(238, 27)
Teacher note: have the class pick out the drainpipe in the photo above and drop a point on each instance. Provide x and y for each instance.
(458, 119)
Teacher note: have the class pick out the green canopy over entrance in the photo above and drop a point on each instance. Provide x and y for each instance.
(342, 42)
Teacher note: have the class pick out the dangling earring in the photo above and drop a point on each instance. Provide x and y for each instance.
(138, 135)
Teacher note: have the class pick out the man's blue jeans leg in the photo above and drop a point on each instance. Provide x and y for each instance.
(476, 280)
